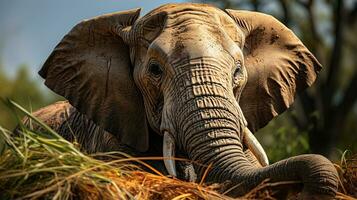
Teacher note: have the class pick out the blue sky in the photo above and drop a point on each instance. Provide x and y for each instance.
(29, 30)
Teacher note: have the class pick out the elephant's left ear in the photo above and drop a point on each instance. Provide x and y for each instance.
(91, 68)
(278, 66)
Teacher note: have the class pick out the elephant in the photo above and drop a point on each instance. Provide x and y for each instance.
(185, 80)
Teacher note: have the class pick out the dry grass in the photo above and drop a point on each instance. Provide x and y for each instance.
(42, 165)
(347, 170)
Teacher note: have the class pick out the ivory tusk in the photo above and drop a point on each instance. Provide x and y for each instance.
(169, 153)
(255, 147)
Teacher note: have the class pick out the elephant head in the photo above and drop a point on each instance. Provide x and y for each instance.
(197, 76)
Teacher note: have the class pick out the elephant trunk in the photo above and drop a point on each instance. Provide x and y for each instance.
(216, 142)
(212, 135)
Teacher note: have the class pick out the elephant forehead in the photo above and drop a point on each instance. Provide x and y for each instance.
(188, 13)
(177, 8)
(197, 41)
(191, 31)
(186, 17)
(180, 16)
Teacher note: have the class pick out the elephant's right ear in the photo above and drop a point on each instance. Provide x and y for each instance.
(91, 68)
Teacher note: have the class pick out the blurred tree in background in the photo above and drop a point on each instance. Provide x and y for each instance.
(323, 119)
(24, 90)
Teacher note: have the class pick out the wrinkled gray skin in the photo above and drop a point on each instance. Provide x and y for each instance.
(197, 84)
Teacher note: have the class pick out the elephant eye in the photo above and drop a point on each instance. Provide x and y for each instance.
(237, 73)
(155, 69)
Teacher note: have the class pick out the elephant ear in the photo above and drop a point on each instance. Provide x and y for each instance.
(278, 66)
(91, 68)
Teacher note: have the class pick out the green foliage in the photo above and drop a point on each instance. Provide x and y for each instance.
(287, 142)
(281, 139)
(24, 90)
